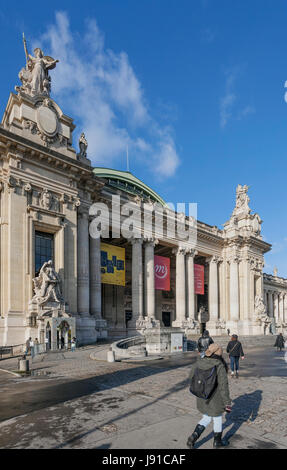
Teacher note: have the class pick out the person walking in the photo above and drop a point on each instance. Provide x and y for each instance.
(32, 348)
(203, 343)
(235, 351)
(36, 346)
(218, 401)
(279, 343)
(73, 344)
(28, 346)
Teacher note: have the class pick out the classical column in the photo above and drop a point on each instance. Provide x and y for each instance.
(137, 279)
(95, 278)
(180, 286)
(276, 306)
(213, 288)
(83, 263)
(149, 277)
(252, 292)
(234, 289)
(270, 304)
(190, 284)
(285, 309)
(246, 288)
(265, 298)
(281, 308)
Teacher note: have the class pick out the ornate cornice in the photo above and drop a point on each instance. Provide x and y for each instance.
(34, 152)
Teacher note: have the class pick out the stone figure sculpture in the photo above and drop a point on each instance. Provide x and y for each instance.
(275, 271)
(260, 310)
(242, 200)
(83, 144)
(46, 199)
(203, 315)
(259, 305)
(47, 285)
(256, 224)
(35, 77)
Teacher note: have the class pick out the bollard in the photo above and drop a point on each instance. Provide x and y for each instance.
(110, 356)
(23, 365)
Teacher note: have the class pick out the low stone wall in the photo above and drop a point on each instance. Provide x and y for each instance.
(136, 346)
(129, 347)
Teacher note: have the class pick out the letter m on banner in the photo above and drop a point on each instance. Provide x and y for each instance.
(162, 272)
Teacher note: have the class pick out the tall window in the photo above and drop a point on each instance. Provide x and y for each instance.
(44, 249)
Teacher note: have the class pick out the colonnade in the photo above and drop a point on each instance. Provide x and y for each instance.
(238, 304)
(143, 280)
(276, 304)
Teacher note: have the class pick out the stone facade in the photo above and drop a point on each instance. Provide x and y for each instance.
(47, 187)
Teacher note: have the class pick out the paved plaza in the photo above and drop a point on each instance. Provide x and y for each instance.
(72, 401)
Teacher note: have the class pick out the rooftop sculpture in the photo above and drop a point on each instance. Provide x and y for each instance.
(35, 75)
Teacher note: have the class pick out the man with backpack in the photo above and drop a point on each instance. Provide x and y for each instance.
(209, 383)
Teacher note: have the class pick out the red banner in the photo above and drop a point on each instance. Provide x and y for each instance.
(199, 279)
(162, 272)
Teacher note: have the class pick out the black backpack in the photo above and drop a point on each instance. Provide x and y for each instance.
(203, 382)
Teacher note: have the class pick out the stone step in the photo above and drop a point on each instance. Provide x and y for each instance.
(247, 341)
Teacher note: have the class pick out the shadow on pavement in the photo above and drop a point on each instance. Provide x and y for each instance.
(179, 386)
(244, 409)
(30, 396)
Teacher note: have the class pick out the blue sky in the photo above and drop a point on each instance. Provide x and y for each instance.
(194, 88)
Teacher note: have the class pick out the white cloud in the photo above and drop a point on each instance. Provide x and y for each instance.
(246, 112)
(226, 108)
(166, 159)
(99, 88)
(228, 101)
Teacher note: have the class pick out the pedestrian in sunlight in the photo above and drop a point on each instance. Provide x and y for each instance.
(209, 383)
(235, 351)
(279, 343)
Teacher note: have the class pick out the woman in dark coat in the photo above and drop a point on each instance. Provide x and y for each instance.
(279, 343)
(235, 351)
(220, 401)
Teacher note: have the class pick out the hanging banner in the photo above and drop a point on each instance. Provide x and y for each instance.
(113, 265)
(162, 272)
(199, 279)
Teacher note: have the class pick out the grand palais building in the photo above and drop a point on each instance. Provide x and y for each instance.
(55, 277)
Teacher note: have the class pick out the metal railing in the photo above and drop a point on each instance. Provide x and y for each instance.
(12, 351)
(7, 352)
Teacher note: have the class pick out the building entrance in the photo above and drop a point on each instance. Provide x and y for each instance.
(166, 319)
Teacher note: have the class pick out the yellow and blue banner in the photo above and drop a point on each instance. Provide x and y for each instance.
(113, 265)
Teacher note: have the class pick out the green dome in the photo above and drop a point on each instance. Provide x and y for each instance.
(126, 181)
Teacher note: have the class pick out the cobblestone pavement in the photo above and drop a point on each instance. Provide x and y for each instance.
(81, 403)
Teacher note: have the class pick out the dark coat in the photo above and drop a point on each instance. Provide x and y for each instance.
(234, 348)
(220, 398)
(279, 342)
(204, 341)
